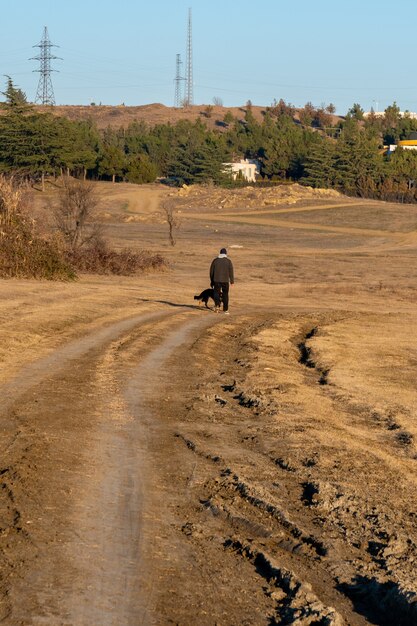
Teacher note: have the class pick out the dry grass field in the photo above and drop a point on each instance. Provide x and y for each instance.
(165, 465)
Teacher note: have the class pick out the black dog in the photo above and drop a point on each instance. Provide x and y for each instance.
(205, 296)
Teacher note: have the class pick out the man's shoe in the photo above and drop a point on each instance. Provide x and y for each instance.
(216, 309)
(226, 313)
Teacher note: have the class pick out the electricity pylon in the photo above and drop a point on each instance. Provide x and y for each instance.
(189, 98)
(179, 98)
(45, 92)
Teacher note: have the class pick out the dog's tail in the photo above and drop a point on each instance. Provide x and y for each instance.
(196, 297)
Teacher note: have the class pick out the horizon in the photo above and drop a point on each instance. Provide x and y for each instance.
(326, 55)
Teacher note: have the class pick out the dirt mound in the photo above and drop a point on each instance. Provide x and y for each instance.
(206, 197)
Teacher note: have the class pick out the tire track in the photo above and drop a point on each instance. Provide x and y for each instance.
(123, 505)
(34, 373)
(279, 482)
(76, 459)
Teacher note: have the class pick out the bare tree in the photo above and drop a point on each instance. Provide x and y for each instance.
(218, 102)
(78, 200)
(173, 222)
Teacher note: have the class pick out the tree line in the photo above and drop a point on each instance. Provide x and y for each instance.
(309, 145)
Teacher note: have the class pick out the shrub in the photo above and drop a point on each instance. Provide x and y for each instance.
(99, 259)
(23, 253)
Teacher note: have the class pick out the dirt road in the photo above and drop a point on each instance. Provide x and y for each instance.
(165, 465)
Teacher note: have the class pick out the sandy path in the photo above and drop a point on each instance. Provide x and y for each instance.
(119, 508)
(302, 209)
(96, 568)
(242, 218)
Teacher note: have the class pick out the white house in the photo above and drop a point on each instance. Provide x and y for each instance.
(247, 169)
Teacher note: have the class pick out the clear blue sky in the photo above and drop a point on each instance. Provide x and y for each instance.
(124, 50)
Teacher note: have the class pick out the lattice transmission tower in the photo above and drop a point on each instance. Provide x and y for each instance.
(189, 97)
(45, 92)
(179, 97)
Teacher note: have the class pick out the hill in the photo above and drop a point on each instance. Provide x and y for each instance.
(156, 113)
(152, 114)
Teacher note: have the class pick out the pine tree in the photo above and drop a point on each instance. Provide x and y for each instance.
(112, 162)
(140, 169)
(319, 165)
(16, 101)
(358, 164)
(403, 166)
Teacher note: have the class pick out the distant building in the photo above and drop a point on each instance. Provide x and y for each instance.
(409, 114)
(407, 144)
(248, 169)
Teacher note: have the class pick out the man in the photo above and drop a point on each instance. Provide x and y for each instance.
(221, 274)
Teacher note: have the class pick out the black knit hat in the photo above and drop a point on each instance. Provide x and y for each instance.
(223, 251)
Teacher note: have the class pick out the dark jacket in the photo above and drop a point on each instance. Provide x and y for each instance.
(221, 271)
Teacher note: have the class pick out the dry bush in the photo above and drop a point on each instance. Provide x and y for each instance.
(77, 203)
(75, 248)
(12, 198)
(23, 253)
(85, 248)
(97, 258)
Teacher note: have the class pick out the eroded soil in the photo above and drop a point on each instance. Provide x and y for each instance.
(161, 464)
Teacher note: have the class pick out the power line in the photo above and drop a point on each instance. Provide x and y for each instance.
(45, 92)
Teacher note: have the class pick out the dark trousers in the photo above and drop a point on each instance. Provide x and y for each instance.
(221, 292)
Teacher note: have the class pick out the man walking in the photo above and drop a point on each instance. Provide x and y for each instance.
(221, 274)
